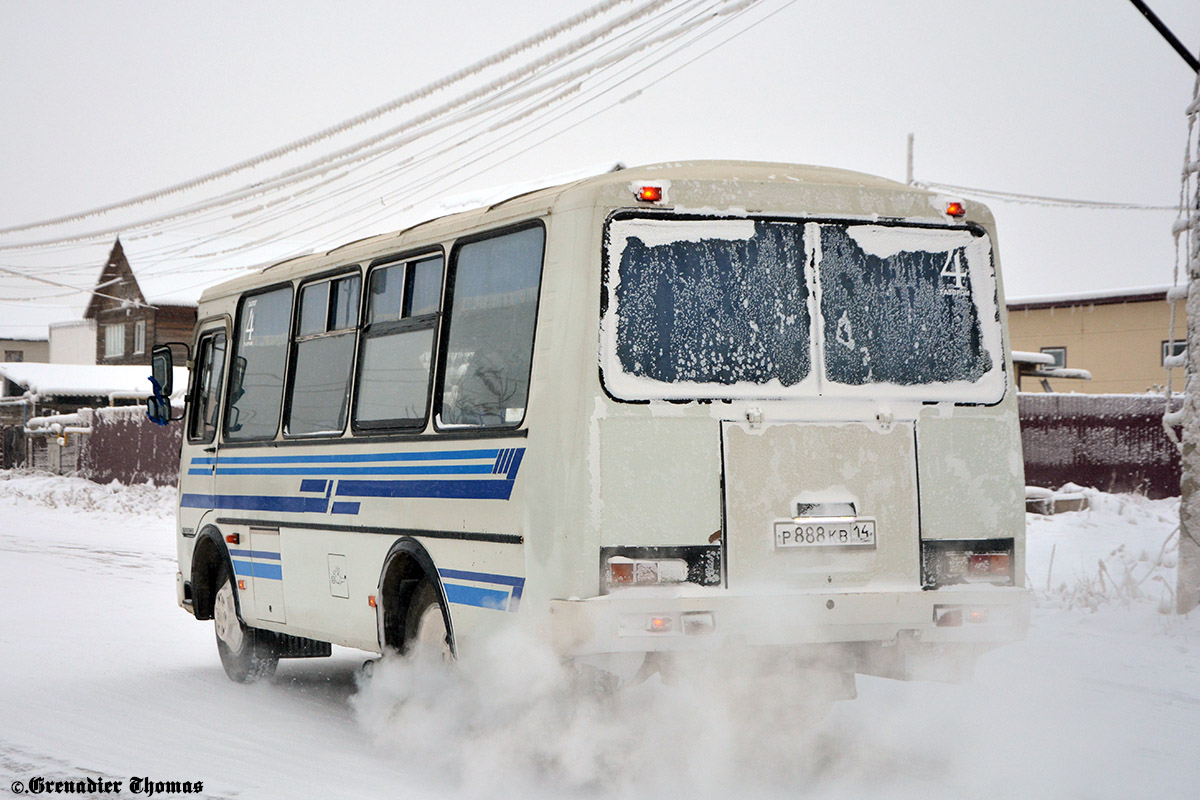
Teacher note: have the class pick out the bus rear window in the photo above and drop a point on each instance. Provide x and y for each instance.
(898, 306)
(749, 309)
(720, 302)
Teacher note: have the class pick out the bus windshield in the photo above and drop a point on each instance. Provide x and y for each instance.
(767, 308)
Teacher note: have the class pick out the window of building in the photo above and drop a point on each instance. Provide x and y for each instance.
(255, 396)
(396, 357)
(1176, 348)
(13, 357)
(1059, 354)
(139, 336)
(114, 341)
(492, 294)
(323, 356)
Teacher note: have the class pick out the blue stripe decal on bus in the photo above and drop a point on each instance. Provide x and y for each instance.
(475, 596)
(448, 490)
(504, 467)
(256, 569)
(254, 502)
(481, 577)
(517, 584)
(515, 464)
(432, 469)
(254, 554)
(344, 458)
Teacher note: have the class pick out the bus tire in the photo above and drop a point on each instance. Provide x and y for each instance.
(247, 654)
(426, 634)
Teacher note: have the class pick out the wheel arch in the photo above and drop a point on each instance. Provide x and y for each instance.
(407, 563)
(209, 554)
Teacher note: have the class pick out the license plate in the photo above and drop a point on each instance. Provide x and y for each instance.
(832, 532)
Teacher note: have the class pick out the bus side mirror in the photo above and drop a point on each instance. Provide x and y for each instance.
(161, 368)
(158, 411)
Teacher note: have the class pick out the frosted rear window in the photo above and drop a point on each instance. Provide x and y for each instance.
(727, 305)
(748, 309)
(898, 307)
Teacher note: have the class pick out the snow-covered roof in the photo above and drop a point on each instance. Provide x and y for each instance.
(76, 380)
(179, 302)
(1141, 294)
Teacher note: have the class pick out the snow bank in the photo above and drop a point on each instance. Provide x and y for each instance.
(18, 487)
(1122, 550)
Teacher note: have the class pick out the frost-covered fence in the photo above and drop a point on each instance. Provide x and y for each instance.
(55, 441)
(1112, 442)
(127, 447)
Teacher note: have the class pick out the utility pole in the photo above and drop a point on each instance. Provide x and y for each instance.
(1187, 582)
(909, 172)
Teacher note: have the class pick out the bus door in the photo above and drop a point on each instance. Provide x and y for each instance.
(199, 468)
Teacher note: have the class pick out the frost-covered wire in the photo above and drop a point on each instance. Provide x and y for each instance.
(385, 141)
(1034, 199)
(503, 117)
(406, 99)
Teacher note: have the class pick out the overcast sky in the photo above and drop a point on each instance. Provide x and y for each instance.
(1076, 99)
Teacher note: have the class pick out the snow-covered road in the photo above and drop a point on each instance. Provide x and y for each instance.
(102, 676)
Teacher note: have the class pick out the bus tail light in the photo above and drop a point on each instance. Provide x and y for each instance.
(944, 563)
(689, 623)
(624, 571)
(955, 209)
(957, 616)
(622, 567)
(985, 565)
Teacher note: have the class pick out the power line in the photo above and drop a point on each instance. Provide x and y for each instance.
(357, 121)
(1034, 199)
(407, 131)
(467, 110)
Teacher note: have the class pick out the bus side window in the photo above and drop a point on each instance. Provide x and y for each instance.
(493, 295)
(202, 420)
(323, 356)
(255, 396)
(396, 357)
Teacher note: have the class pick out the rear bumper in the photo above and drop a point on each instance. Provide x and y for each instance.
(624, 622)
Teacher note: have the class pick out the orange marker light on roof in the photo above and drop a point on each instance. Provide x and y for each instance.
(956, 209)
(650, 194)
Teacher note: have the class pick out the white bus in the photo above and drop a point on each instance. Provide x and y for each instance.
(664, 409)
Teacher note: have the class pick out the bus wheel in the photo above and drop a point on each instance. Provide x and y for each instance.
(427, 637)
(246, 653)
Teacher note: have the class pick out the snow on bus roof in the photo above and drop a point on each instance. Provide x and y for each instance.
(75, 380)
